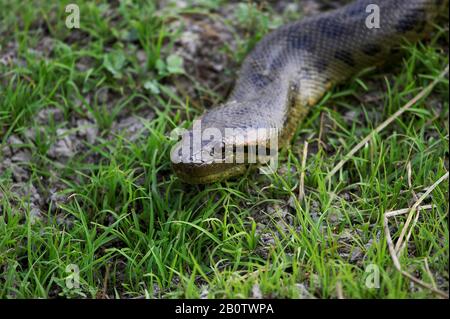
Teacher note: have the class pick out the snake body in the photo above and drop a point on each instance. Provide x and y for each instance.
(289, 71)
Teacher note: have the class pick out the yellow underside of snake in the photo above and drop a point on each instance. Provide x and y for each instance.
(287, 73)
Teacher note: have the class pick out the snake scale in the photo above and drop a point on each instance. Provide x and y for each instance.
(290, 70)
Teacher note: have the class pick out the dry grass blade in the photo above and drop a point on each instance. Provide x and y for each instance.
(427, 268)
(339, 290)
(399, 247)
(399, 267)
(105, 283)
(408, 168)
(392, 249)
(301, 189)
(407, 210)
(383, 125)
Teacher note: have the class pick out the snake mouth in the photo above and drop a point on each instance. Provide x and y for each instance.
(219, 164)
(200, 174)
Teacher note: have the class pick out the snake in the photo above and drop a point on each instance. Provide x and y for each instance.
(287, 73)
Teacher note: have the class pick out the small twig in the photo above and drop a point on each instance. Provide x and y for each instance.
(407, 210)
(390, 244)
(427, 268)
(424, 284)
(320, 142)
(409, 170)
(301, 188)
(339, 291)
(399, 267)
(383, 125)
(105, 283)
(399, 247)
(393, 250)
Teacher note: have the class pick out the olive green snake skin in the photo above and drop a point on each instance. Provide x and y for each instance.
(291, 68)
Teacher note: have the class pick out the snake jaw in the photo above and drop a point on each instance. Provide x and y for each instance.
(195, 170)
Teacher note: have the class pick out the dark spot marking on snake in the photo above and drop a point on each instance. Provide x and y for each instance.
(276, 63)
(345, 56)
(300, 41)
(260, 80)
(358, 9)
(321, 65)
(292, 97)
(414, 20)
(332, 28)
(305, 73)
(371, 49)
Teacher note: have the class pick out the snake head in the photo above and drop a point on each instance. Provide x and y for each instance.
(206, 155)
(208, 164)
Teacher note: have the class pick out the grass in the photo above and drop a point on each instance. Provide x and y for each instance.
(134, 230)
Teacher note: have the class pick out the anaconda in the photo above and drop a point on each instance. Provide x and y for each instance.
(290, 70)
